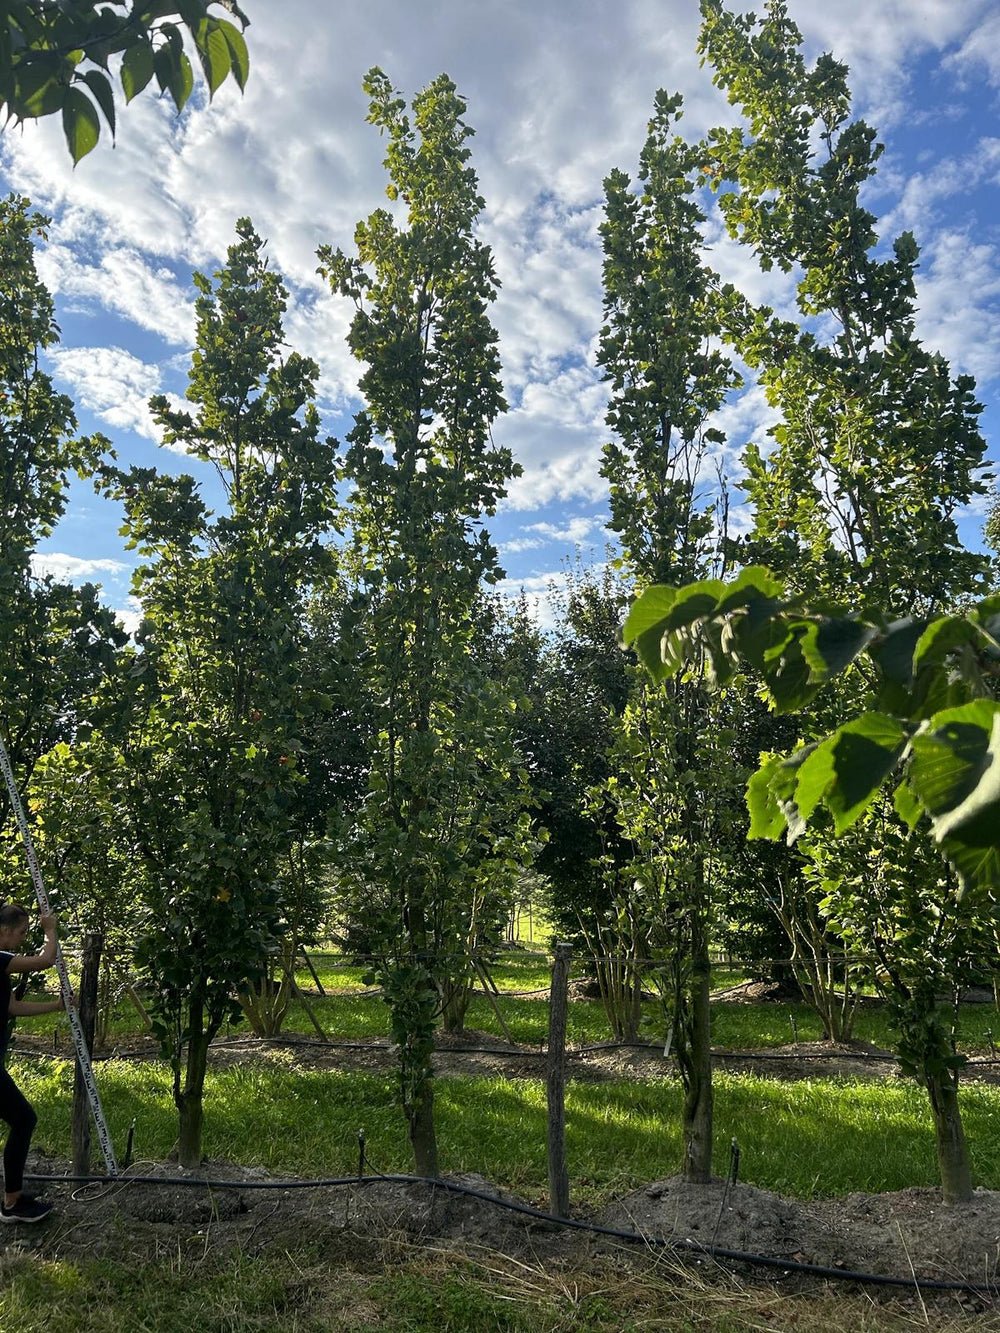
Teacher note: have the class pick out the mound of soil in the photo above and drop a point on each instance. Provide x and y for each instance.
(902, 1233)
(898, 1234)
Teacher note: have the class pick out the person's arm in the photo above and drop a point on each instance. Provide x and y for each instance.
(38, 962)
(22, 1008)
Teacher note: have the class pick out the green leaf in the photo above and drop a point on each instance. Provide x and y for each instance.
(941, 637)
(955, 773)
(215, 57)
(137, 69)
(239, 57)
(183, 84)
(80, 124)
(40, 90)
(907, 806)
(753, 584)
(831, 644)
(849, 767)
(788, 676)
(100, 85)
(648, 609)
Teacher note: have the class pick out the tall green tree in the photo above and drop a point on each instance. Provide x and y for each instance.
(443, 802)
(878, 444)
(55, 57)
(925, 733)
(660, 352)
(57, 642)
(213, 735)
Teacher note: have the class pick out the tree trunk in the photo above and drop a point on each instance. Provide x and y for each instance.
(420, 1121)
(456, 994)
(952, 1153)
(696, 1115)
(189, 1099)
(87, 1007)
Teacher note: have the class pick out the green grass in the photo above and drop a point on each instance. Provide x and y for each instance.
(307, 1290)
(809, 1138)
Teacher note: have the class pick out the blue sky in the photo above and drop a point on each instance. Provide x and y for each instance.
(559, 95)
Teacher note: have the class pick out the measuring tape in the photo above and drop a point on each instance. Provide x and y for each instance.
(76, 1028)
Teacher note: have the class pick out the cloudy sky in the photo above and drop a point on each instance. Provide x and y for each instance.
(559, 94)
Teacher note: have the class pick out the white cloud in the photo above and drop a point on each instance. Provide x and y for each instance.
(958, 299)
(71, 568)
(129, 615)
(113, 384)
(123, 283)
(980, 49)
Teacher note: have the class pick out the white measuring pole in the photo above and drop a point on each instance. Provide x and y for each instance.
(79, 1042)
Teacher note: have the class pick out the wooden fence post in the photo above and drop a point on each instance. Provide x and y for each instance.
(555, 1083)
(87, 1009)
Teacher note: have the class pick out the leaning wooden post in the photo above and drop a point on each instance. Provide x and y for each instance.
(555, 1085)
(87, 1009)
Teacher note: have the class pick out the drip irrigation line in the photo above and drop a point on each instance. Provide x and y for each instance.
(680, 1246)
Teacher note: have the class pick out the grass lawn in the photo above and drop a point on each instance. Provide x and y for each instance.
(817, 1137)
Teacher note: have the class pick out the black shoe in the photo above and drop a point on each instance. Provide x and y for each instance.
(25, 1210)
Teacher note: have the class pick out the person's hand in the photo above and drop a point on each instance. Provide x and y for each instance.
(49, 923)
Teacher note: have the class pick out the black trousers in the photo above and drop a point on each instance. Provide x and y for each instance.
(20, 1115)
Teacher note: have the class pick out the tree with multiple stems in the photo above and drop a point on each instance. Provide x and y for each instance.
(212, 725)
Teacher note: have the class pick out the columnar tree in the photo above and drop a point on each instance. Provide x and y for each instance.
(878, 444)
(214, 730)
(56, 642)
(443, 802)
(660, 352)
(926, 734)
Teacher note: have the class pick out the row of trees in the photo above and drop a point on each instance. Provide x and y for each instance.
(324, 703)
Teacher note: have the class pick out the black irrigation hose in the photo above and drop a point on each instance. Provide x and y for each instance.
(568, 1223)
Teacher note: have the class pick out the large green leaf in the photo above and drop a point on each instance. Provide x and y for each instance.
(80, 124)
(942, 636)
(753, 584)
(648, 609)
(239, 58)
(955, 773)
(831, 644)
(847, 770)
(100, 85)
(137, 69)
(215, 56)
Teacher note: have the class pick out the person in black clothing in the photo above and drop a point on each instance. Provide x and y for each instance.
(14, 1106)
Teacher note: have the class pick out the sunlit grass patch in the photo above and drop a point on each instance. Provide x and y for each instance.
(815, 1137)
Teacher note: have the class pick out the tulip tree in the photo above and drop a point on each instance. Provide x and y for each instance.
(57, 642)
(215, 714)
(877, 445)
(927, 734)
(442, 816)
(660, 352)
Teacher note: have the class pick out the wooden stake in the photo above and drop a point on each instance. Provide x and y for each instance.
(555, 1083)
(87, 1010)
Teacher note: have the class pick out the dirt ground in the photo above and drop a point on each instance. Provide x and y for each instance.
(903, 1233)
(908, 1232)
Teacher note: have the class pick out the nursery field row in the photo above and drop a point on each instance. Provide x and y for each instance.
(807, 1138)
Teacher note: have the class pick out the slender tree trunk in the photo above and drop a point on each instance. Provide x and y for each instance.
(696, 1115)
(189, 1098)
(420, 1121)
(952, 1153)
